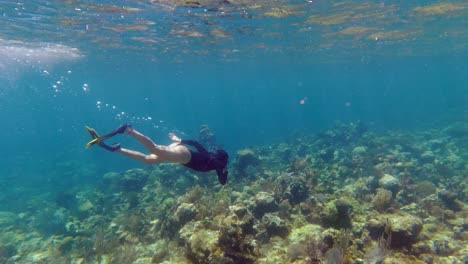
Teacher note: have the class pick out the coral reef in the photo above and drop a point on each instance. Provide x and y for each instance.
(245, 159)
(345, 195)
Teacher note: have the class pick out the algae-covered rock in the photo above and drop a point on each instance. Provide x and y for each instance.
(133, 180)
(359, 151)
(201, 243)
(238, 210)
(237, 246)
(382, 199)
(402, 259)
(443, 244)
(111, 179)
(427, 157)
(403, 229)
(240, 216)
(275, 226)
(144, 260)
(311, 251)
(7, 218)
(376, 228)
(390, 183)
(293, 188)
(65, 245)
(129, 181)
(185, 212)
(244, 159)
(337, 213)
(6, 252)
(449, 200)
(236, 237)
(85, 206)
(422, 247)
(300, 234)
(424, 188)
(326, 154)
(306, 243)
(73, 228)
(263, 203)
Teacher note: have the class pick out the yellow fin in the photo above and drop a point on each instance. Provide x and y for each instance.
(94, 135)
(92, 142)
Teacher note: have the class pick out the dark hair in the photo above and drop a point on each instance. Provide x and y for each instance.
(221, 159)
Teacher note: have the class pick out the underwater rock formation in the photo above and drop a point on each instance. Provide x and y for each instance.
(427, 157)
(337, 213)
(237, 247)
(242, 217)
(292, 188)
(275, 226)
(353, 197)
(390, 183)
(201, 244)
(7, 218)
(245, 158)
(327, 154)
(131, 180)
(185, 213)
(402, 229)
(236, 239)
(449, 200)
(263, 203)
(382, 200)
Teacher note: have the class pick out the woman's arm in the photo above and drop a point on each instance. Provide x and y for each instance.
(222, 175)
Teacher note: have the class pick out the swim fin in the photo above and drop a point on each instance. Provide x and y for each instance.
(94, 135)
(97, 138)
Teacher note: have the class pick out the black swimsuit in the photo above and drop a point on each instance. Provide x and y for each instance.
(201, 160)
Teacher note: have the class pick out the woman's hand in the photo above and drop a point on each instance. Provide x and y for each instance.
(174, 138)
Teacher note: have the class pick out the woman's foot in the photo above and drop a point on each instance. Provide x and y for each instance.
(113, 148)
(125, 128)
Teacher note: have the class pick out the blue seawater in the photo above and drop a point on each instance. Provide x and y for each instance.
(256, 73)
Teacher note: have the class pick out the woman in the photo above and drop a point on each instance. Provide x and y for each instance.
(199, 159)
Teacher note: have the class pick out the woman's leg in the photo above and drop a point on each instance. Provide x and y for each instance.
(144, 140)
(148, 159)
(173, 153)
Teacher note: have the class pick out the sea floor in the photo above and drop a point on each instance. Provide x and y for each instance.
(345, 195)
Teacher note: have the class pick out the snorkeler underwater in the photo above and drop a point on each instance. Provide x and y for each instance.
(198, 159)
(299, 132)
